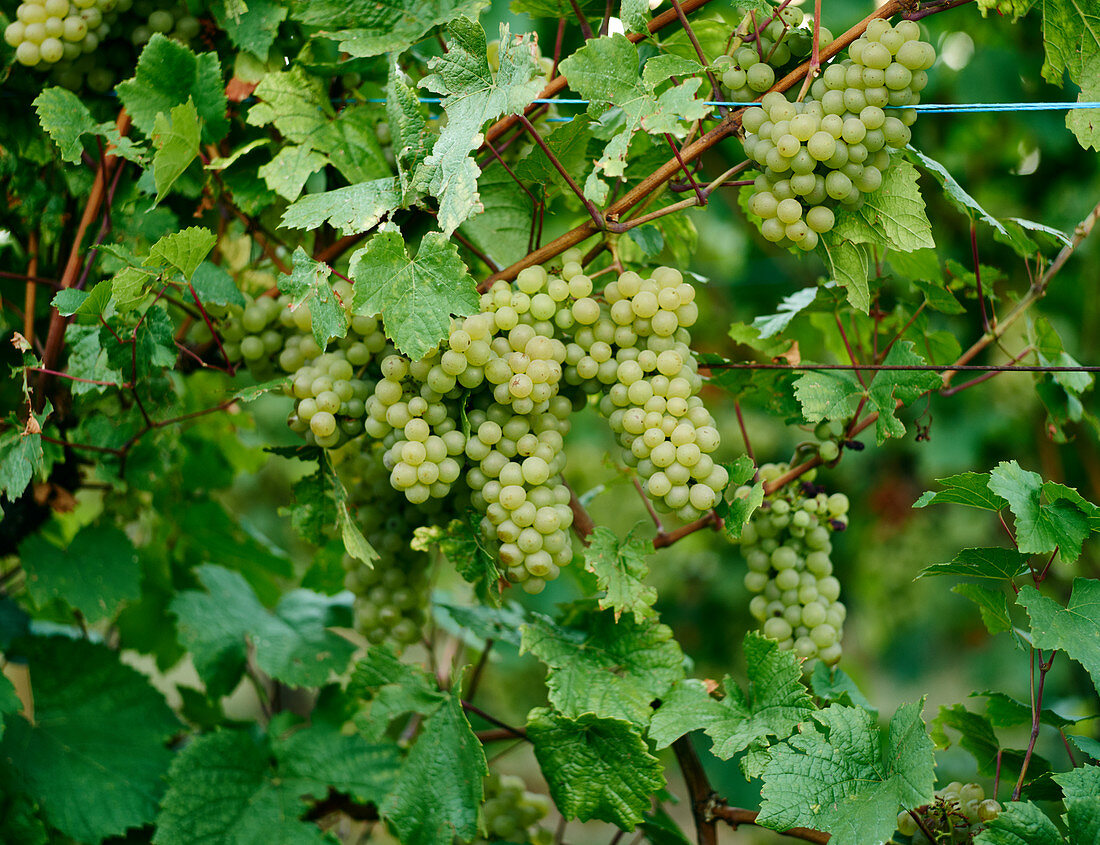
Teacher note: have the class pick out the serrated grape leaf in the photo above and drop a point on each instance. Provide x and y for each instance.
(775, 703)
(620, 571)
(20, 458)
(439, 787)
(215, 286)
(222, 788)
(392, 689)
(295, 103)
(1086, 745)
(605, 72)
(966, 488)
(293, 644)
(67, 120)
(1003, 711)
(503, 229)
(596, 768)
(129, 287)
(308, 285)
(95, 574)
(1071, 35)
(183, 250)
(849, 779)
(609, 668)
(253, 30)
(350, 210)
(829, 394)
(313, 759)
(1021, 823)
(500, 624)
(82, 303)
(735, 510)
(176, 141)
(1075, 629)
(849, 265)
(979, 739)
(834, 684)
(416, 297)
(892, 216)
(1061, 523)
(1081, 788)
(287, 172)
(365, 28)
(96, 754)
(889, 387)
(167, 75)
(788, 308)
(992, 605)
(462, 545)
(410, 138)
(687, 707)
(471, 97)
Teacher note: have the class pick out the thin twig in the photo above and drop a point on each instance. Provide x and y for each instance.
(477, 711)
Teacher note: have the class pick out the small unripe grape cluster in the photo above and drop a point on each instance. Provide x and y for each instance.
(832, 149)
(257, 333)
(957, 814)
(46, 32)
(751, 68)
(787, 546)
(167, 17)
(828, 433)
(392, 593)
(511, 813)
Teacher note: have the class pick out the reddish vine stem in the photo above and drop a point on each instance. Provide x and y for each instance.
(1036, 715)
(649, 506)
(735, 816)
(978, 274)
(586, 27)
(744, 431)
(709, 519)
(716, 90)
(702, 200)
(338, 247)
(477, 711)
(210, 325)
(699, 790)
(31, 289)
(590, 206)
(935, 9)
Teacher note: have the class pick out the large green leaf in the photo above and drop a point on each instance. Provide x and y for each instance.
(1075, 629)
(596, 768)
(893, 216)
(1071, 34)
(849, 779)
(1061, 522)
(620, 571)
(95, 756)
(308, 284)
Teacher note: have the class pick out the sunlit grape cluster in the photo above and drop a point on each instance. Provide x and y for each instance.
(750, 69)
(787, 546)
(511, 813)
(832, 149)
(957, 814)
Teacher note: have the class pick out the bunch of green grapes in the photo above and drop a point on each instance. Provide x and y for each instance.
(392, 593)
(46, 32)
(167, 17)
(750, 69)
(786, 545)
(511, 813)
(1016, 8)
(832, 149)
(956, 815)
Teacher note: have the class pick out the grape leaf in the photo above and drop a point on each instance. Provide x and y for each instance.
(788, 308)
(1071, 35)
(67, 120)
(99, 736)
(176, 141)
(605, 72)
(253, 30)
(183, 250)
(687, 707)
(214, 286)
(392, 689)
(287, 172)
(979, 739)
(892, 216)
(1087, 745)
(503, 229)
(167, 75)
(1075, 629)
(735, 510)
(233, 788)
(966, 488)
(849, 265)
(992, 604)
(409, 134)
(850, 779)
(596, 768)
(414, 296)
(1081, 788)
(612, 669)
(472, 96)
(1061, 523)
(620, 571)
(1021, 823)
(834, 684)
(462, 545)
(9, 700)
(296, 103)
(95, 574)
(82, 303)
(569, 143)
(308, 284)
(439, 787)
(1003, 711)
(293, 644)
(88, 359)
(350, 210)
(365, 28)
(889, 387)
(829, 395)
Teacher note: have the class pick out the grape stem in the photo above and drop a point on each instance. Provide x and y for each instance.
(586, 27)
(31, 290)
(815, 55)
(477, 711)
(714, 87)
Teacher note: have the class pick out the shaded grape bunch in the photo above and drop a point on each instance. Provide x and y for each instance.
(956, 815)
(47, 32)
(751, 69)
(787, 546)
(832, 150)
(511, 814)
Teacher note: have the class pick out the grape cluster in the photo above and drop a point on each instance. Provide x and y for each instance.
(751, 69)
(167, 17)
(832, 149)
(392, 593)
(958, 812)
(511, 813)
(786, 545)
(45, 32)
